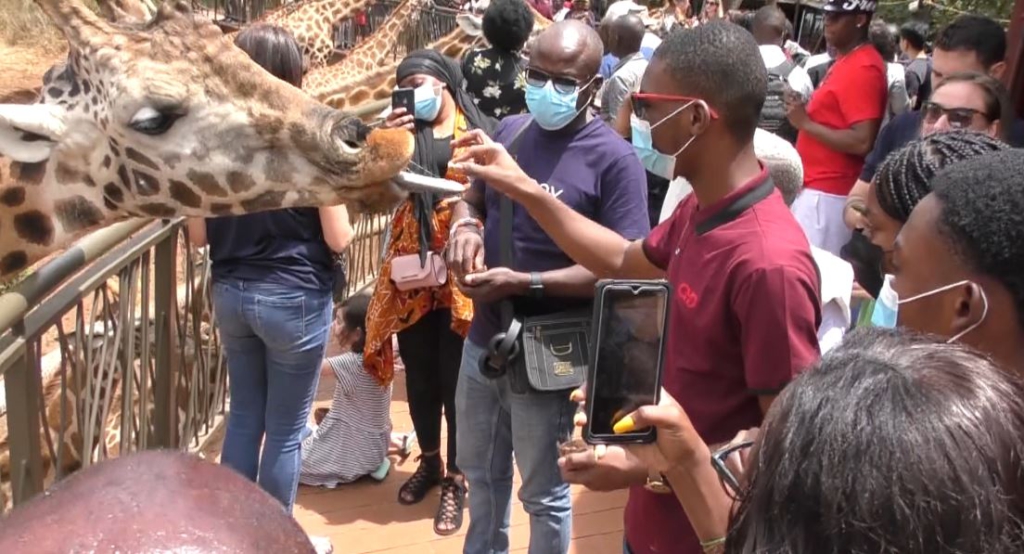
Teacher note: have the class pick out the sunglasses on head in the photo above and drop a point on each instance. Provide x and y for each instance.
(564, 85)
(642, 102)
(958, 118)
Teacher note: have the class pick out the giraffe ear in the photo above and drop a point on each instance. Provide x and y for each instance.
(28, 133)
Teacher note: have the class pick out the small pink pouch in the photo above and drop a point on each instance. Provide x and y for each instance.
(407, 273)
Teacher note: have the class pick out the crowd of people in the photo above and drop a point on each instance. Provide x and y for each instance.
(843, 235)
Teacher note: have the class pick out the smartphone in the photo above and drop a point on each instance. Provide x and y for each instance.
(404, 98)
(626, 356)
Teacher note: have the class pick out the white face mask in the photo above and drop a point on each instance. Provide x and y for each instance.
(662, 165)
(888, 303)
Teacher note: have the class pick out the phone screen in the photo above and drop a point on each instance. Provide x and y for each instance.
(627, 365)
(404, 98)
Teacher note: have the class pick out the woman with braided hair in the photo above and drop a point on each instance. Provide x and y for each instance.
(905, 177)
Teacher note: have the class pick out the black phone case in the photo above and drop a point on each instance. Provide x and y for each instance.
(642, 437)
(404, 98)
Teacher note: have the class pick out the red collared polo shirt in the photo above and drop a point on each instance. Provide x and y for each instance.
(744, 320)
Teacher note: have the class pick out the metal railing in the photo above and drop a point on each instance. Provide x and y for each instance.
(111, 347)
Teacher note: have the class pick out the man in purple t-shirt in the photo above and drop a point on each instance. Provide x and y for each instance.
(585, 165)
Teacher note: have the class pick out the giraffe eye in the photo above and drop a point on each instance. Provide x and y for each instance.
(149, 121)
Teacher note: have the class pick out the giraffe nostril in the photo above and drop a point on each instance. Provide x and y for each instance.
(351, 135)
(351, 147)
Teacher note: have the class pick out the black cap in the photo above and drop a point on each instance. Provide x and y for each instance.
(850, 6)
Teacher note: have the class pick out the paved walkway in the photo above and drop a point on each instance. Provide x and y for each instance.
(366, 517)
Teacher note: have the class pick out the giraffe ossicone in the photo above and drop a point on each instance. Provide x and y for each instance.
(171, 119)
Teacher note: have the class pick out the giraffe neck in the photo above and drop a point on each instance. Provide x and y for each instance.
(48, 207)
(347, 92)
(366, 57)
(298, 17)
(369, 54)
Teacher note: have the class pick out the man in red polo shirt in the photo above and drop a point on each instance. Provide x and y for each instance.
(746, 303)
(839, 125)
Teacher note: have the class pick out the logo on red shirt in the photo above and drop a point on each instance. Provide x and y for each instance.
(687, 295)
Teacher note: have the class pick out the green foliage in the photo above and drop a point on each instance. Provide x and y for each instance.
(940, 12)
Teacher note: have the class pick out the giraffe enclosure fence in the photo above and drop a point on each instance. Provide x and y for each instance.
(111, 347)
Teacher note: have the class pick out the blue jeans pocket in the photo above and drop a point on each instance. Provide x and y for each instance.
(281, 318)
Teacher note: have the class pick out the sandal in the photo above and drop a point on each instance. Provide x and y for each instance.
(448, 520)
(427, 476)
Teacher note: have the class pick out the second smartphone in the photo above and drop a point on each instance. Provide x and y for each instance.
(626, 356)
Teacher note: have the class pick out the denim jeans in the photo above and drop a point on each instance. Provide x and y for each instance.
(492, 423)
(274, 338)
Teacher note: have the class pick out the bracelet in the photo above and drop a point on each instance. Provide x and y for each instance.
(465, 221)
(708, 546)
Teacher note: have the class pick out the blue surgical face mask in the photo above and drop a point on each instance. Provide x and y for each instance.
(662, 165)
(553, 110)
(887, 305)
(428, 102)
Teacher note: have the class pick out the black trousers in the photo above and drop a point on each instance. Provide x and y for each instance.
(432, 354)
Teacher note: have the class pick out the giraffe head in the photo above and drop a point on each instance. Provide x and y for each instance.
(167, 119)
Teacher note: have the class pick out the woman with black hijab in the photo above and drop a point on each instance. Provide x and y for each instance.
(431, 321)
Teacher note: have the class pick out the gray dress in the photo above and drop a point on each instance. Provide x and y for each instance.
(352, 440)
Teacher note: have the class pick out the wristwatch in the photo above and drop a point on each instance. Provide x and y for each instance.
(536, 286)
(657, 483)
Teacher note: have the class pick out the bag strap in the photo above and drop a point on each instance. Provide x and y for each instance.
(506, 216)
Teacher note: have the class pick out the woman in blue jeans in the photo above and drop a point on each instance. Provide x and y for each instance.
(272, 283)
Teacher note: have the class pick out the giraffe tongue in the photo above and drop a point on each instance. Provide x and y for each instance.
(422, 183)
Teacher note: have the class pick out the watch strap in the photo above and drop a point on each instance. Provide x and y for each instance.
(536, 285)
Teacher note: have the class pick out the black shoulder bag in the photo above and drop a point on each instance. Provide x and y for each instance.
(545, 353)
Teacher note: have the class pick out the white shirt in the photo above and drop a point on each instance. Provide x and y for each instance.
(625, 79)
(799, 80)
(817, 59)
(899, 101)
(651, 41)
(836, 288)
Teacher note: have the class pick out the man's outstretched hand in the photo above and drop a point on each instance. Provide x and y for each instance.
(479, 157)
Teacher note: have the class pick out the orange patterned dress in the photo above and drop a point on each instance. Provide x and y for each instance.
(392, 310)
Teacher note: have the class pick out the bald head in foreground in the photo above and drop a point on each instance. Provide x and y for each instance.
(155, 501)
(572, 46)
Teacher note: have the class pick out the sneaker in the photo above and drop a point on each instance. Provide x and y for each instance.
(382, 470)
(322, 544)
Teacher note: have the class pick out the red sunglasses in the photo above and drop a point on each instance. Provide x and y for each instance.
(643, 100)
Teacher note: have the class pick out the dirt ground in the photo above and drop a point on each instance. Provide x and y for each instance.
(23, 72)
(20, 79)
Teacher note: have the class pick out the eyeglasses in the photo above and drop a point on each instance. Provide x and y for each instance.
(564, 85)
(642, 102)
(958, 118)
(730, 481)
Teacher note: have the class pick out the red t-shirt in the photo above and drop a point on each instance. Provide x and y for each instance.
(855, 89)
(743, 322)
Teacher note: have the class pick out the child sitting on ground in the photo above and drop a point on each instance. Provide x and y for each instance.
(354, 438)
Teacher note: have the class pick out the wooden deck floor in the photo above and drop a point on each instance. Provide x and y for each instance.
(366, 517)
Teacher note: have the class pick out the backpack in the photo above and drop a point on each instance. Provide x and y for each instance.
(773, 114)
